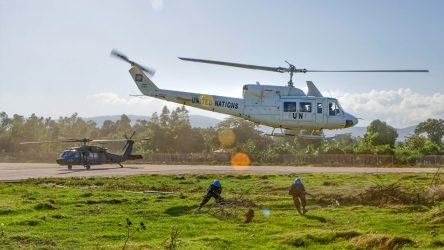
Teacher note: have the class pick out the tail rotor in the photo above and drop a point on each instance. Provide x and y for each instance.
(123, 57)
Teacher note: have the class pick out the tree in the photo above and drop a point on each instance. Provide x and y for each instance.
(243, 130)
(421, 144)
(108, 128)
(164, 117)
(124, 126)
(380, 133)
(434, 128)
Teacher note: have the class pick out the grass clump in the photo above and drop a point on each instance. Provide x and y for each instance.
(347, 234)
(380, 241)
(322, 238)
(29, 222)
(47, 205)
(437, 243)
(32, 240)
(305, 240)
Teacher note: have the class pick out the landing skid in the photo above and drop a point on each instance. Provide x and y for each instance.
(298, 134)
(281, 134)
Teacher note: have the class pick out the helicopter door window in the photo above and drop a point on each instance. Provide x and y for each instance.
(77, 155)
(289, 107)
(305, 107)
(319, 108)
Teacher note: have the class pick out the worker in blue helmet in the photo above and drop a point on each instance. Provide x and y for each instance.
(297, 190)
(214, 190)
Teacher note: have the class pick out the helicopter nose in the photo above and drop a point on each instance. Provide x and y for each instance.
(350, 120)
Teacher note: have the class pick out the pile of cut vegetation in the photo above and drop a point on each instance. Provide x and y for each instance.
(380, 241)
(392, 193)
(384, 194)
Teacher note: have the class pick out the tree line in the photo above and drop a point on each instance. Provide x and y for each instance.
(171, 132)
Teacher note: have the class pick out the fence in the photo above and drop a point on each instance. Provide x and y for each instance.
(323, 159)
(281, 159)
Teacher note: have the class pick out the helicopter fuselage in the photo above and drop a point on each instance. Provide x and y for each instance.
(275, 106)
(87, 155)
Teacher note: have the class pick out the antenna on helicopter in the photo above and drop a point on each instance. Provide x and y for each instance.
(292, 69)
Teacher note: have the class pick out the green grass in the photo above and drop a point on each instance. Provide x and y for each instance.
(91, 213)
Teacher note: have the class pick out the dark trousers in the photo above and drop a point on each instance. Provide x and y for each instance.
(208, 196)
(299, 200)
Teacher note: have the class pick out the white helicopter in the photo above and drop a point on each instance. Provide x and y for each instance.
(284, 107)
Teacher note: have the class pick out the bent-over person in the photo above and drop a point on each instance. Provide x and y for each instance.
(215, 191)
(297, 190)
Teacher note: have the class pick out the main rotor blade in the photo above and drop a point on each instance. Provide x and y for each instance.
(239, 65)
(38, 142)
(119, 140)
(372, 71)
(111, 140)
(293, 69)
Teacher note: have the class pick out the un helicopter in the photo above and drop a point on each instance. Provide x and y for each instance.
(87, 155)
(281, 107)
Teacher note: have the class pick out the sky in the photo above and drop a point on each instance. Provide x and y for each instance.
(54, 55)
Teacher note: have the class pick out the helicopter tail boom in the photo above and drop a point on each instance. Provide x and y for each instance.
(134, 157)
(145, 85)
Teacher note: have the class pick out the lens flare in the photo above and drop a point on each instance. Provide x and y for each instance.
(240, 161)
(266, 212)
(226, 137)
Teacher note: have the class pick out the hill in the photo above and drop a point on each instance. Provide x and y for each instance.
(360, 131)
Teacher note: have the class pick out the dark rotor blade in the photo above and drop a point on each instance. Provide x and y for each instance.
(37, 142)
(134, 132)
(126, 144)
(111, 140)
(239, 65)
(371, 71)
(123, 57)
(119, 140)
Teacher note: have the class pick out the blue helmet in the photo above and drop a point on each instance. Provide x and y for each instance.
(216, 183)
(297, 181)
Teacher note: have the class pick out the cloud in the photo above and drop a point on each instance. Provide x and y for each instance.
(399, 108)
(114, 99)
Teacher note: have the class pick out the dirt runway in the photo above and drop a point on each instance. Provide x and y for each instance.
(20, 171)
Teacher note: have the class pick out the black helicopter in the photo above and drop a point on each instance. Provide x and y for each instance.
(87, 155)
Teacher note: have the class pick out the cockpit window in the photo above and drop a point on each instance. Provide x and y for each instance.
(66, 154)
(334, 108)
(289, 107)
(305, 107)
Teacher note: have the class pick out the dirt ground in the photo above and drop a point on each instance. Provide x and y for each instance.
(20, 171)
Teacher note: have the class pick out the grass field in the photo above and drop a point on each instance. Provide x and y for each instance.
(348, 211)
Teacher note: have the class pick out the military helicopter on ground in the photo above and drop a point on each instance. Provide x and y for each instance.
(284, 107)
(88, 155)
